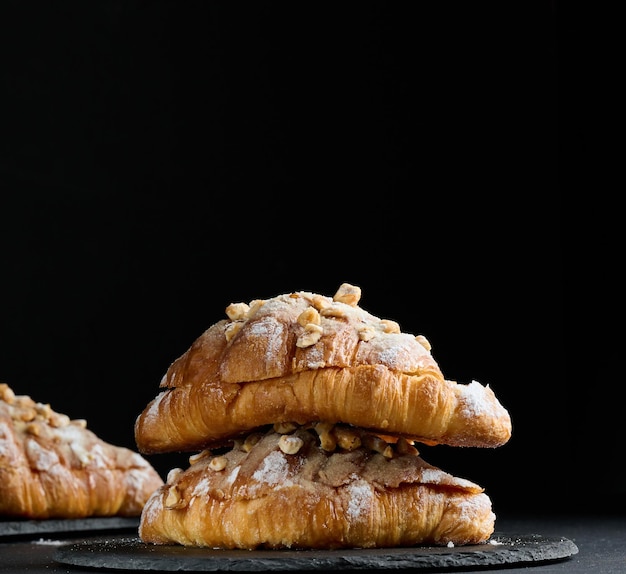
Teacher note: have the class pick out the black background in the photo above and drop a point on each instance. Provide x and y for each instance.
(161, 160)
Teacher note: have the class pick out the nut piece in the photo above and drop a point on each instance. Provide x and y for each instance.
(324, 430)
(347, 438)
(378, 445)
(367, 333)
(309, 315)
(312, 334)
(389, 326)
(423, 341)
(290, 444)
(320, 302)
(173, 499)
(250, 441)
(237, 311)
(403, 446)
(232, 329)
(218, 463)
(27, 415)
(57, 420)
(285, 428)
(173, 474)
(43, 411)
(333, 311)
(255, 306)
(348, 294)
(199, 456)
(6, 393)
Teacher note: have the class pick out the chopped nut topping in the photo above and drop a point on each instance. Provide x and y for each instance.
(237, 311)
(173, 499)
(199, 456)
(172, 475)
(309, 315)
(320, 302)
(327, 440)
(232, 329)
(379, 445)
(312, 334)
(250, 441)
(6, 393)
(348, 294)
(24, 401)
(59, 420)
(347, 438)
(255, 306)
(423, 341)
(389, 326)
(43, 411)
(331, 436)
(290, 444)
(27, 415)
(285, 428)
(367, 333)
(404, 446)
(333, 311)
(218, 463)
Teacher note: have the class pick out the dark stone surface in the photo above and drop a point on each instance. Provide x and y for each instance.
(132, 554)
(77, 525)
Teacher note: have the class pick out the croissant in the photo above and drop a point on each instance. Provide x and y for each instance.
(322, 486)
(306, 357)
(54, 467)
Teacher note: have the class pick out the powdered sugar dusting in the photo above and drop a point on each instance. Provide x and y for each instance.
(152, 412)
(48, 542)
(273, 470)
(202, 488)
(5, 444)
(233, 475)
(438, 476)
(315, 357)
(475, 401)
(433, 475)
(472, 507)
(153, 507)
(361, 496)
(40, 458)
(272, 332)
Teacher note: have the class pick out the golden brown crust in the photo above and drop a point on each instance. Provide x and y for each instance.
(54, 467)
(305, 357)
(264, 495)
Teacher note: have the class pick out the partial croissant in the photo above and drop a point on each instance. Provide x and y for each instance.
(305, 357)
(54, 467)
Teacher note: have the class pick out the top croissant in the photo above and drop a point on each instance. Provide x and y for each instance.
(303, 357)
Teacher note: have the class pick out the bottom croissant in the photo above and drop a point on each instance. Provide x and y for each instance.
(277, 490)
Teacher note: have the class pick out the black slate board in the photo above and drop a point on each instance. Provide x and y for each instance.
(9, 529)
(132, 554)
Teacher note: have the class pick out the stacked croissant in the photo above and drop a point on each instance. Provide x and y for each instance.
(302, 414)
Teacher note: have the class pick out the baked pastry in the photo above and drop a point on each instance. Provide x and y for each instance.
(305, 357)
(302, 413)
(321, 487)
(54, 467)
